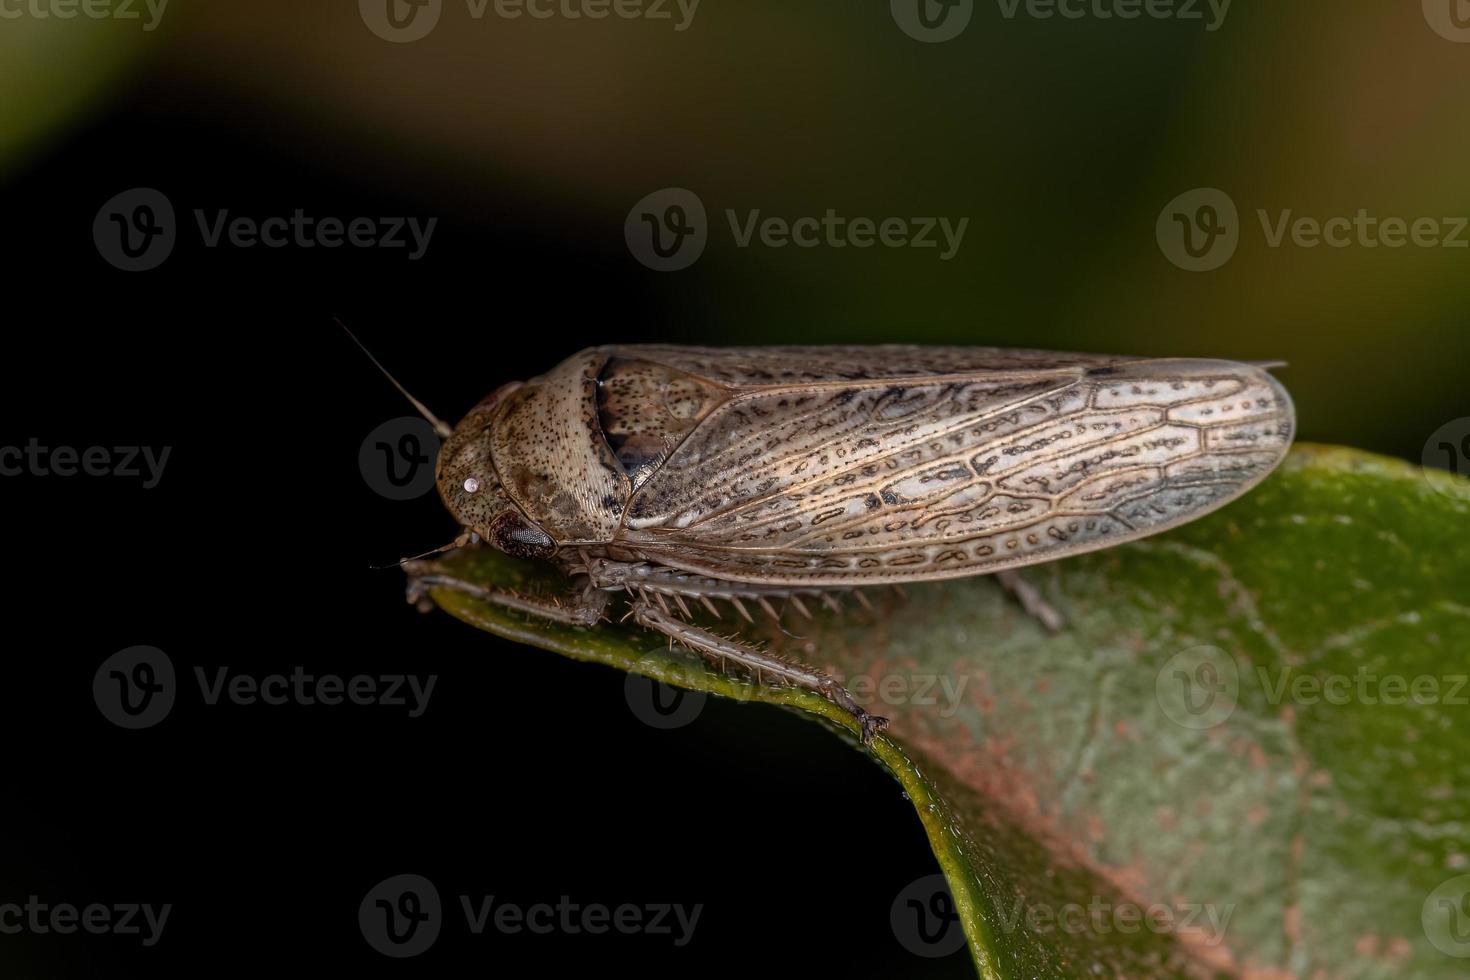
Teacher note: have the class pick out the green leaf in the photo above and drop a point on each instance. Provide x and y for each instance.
(1256, 723)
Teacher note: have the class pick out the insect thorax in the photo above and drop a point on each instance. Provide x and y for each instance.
(573, 445)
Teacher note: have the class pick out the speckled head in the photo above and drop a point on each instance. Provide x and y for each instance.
(470, 486)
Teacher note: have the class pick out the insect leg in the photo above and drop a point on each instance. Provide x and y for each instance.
(762, 665)
(577, 609)
(1029, 596)
(657, 581)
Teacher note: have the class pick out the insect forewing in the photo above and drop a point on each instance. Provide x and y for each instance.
(873, 465)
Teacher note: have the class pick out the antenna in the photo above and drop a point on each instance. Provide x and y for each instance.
(464, 538)
(440, 427)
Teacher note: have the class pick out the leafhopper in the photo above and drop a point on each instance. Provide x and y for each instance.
(679, 476)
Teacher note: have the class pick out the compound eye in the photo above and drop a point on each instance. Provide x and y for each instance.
(520, 540)
(471, 485)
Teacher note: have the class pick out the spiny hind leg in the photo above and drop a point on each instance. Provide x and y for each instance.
(646, 580)
(764, 667)
(670, 587)
(584, 608)
(1029, 596)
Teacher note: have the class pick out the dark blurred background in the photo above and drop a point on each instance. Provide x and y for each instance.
(1079, 149)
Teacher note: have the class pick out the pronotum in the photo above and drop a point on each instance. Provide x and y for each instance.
(751, 474)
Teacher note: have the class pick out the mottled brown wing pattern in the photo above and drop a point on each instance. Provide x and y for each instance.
(903, 477)
(755, 367)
